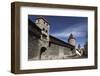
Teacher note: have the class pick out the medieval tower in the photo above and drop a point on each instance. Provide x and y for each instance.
(72, 40)
(42, 23)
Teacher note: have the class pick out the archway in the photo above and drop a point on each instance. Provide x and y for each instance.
(42, 50)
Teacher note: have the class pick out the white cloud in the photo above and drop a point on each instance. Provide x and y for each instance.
(66, 34)
(78, 31)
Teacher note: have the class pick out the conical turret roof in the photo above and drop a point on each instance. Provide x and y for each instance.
(71, 37)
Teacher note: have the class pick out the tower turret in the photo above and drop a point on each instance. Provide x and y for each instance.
(43, 24)
(72, 40)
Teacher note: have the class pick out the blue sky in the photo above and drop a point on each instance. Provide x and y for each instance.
(62, 26)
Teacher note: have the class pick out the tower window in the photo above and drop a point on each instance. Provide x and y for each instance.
(44, 36)
(44, 22)
(43, 29)
(46, 31)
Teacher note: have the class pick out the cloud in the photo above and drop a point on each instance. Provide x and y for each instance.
(66, 34)
(79, 31)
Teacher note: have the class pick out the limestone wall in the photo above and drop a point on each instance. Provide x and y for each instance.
(60, 52)
(53, 51)
(33, 47)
